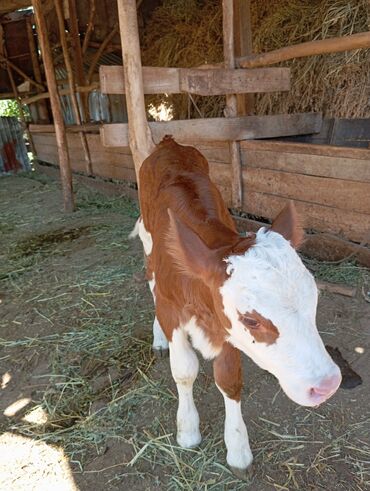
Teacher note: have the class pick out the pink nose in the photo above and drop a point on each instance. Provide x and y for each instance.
(326, 387)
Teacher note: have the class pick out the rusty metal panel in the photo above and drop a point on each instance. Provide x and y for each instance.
(13, 151)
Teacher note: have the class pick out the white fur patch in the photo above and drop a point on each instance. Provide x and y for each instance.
(184, 367)
(146, 237)
(271, 279)
(200, 341)
(239, 453)
(159, 338)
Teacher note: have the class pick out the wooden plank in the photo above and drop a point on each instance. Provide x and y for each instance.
(49, 128)
(308, 148)
(347, 291)
(221, 81)
(207, 81)
(219, 129)
(342, 194)
(314, 165)
(156, 80)
(328, 247)
(351, 225)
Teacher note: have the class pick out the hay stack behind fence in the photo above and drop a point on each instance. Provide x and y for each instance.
(189, 33)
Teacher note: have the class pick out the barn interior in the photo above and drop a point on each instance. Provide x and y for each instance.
(281, 113)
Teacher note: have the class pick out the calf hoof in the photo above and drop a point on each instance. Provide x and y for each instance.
(189, 440)
(243, 474)
(159, 353)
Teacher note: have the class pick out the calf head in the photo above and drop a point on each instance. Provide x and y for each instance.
(268, 302)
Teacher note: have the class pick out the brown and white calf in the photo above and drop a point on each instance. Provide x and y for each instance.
(221, 294)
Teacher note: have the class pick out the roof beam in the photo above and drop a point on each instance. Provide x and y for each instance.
(11, 5)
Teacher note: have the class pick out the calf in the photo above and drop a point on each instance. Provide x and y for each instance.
(221, 294)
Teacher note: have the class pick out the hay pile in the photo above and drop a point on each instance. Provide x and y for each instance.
(189, 33)
(337, 84)
(185, 33)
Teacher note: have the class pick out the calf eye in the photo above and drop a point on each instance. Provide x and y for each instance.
(249, 322)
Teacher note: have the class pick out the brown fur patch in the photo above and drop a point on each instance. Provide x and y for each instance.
(262, 329)
(176, 178)
(227, 371)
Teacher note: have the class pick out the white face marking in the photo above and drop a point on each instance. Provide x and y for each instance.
(271, 279)
(200, 341)
(184, 367)
(239, 453)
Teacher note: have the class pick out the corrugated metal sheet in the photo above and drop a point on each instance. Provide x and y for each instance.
(103, 108)
(13, 152)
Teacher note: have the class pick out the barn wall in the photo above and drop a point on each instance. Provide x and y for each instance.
(330, 185)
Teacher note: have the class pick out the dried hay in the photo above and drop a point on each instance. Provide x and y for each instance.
(185, 33)
(189, 33)
(337, 84)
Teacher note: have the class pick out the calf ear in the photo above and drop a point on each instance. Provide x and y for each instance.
(288, 224)
(191, 254)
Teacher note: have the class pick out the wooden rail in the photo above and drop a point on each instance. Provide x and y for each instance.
(310, 48)
(219, 129)
(202, 81)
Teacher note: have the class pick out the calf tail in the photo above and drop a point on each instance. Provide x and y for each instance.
(135, 231)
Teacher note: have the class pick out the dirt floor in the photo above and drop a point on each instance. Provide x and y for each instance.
(83, 405)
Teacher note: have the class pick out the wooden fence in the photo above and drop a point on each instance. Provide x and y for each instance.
(329, 185)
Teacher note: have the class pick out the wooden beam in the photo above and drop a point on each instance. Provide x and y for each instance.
(41, 106)
(65, 168)
(310, 48)
(11, 5)
(46, 95)
(90, 26)
(5, 60)
(202, 81)
(220, 129)
(231, 103)
(99, 52)
(20, 108)
(77, 55)
(140, 138)
(243, 47)
(71, 80)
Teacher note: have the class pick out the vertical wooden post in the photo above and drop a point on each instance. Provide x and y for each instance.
(243, 47)
(41, 105)
(231, 103)
(77, 56)
(141, 143)
(21, 112)
(71, 82)
(60, 132)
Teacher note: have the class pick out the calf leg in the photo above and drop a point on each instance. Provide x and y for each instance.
(228, 377)
(184, 367)
(160, 342)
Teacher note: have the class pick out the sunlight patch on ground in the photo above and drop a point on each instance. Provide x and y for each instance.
(16, 406)
(36, 416)
(5, 379)
(27, 464)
